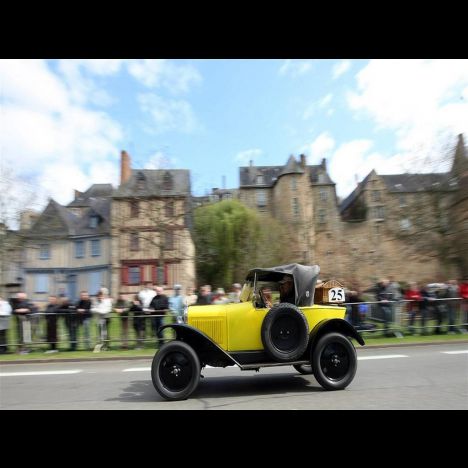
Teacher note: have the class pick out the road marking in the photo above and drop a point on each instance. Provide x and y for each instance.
(383, 356)
(455, 352)
(17, 374)
(137, 369)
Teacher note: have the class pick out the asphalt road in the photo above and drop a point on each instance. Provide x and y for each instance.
(412, 377)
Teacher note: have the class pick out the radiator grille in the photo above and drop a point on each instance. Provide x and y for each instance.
(215, 328)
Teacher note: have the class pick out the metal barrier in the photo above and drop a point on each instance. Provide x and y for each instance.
(73, 332)
(397, 317)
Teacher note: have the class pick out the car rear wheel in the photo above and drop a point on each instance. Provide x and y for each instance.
(334, 361)
(175, 370)
(285, 332)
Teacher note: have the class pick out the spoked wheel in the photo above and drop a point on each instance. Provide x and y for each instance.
(175, 370)
(304, 369)
(334, 361)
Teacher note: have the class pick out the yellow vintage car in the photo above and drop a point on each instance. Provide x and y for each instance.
(276, 323)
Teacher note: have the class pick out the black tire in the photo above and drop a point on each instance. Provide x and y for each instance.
(304, 369)
(285, 333)
(175, 370)
(334, 361)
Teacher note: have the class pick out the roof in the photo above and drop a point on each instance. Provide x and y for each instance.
(416, 182)
(248, 174)
(95, 191)
(305, 278)
(155, 182)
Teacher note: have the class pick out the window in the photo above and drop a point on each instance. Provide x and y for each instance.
(79, 249)
(295, 207)
(227, 196)
(170, 209)
(379, 212)
(260, 180)
(293, 184)
(261, 198)
(42, 283)
(140, 181)
(376, 195)
(44, 251)
(93, 221)
(402, 199)
(405, 224)
(323, 194)
(94, 282)
(322, 216)
(134, 241)
(134, 275)
(95, 248)
(134, 209)
(169, 240)
(168, 182)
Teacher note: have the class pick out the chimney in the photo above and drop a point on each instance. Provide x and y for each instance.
(303, 160)
(324, 163)
(78, 194)
(251, 163)
(125, 168)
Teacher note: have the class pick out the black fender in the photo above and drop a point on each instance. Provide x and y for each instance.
(334, 325)
(209, 352)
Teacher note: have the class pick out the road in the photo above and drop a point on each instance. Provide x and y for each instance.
(412, 377)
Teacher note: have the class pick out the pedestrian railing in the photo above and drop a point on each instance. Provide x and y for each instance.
(71, 330)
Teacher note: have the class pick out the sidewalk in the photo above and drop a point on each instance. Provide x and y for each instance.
(148, 353)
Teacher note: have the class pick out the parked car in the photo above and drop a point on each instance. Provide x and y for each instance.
(262, 331)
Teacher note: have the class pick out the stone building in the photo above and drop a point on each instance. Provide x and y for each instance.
(151, 222)
(298, 195)
(67, 248)
(409, 226)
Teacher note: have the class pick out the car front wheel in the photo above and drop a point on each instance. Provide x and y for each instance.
(334, 361)
(175, 370)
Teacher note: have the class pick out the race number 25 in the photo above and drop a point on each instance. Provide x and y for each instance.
(336, 295)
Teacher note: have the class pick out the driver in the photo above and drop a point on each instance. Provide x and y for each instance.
(286, 289)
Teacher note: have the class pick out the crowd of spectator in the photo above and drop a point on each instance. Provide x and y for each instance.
(146, 312)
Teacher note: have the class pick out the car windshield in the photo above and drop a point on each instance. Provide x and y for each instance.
(268, 288)
(246, 294)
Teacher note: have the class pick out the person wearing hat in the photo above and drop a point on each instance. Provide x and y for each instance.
(286, 289)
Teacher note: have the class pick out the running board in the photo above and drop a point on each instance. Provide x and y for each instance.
(270, 364)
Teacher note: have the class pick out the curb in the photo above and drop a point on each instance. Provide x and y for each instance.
(144, 358)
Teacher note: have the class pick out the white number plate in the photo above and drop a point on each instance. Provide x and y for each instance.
(336, 295)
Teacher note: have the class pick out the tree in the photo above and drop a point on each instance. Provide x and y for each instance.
(230, 239)
(16, 195)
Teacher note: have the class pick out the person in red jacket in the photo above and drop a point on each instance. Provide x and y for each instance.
(464, 296)
(413, 295)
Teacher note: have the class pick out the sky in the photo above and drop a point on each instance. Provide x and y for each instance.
(63, 123)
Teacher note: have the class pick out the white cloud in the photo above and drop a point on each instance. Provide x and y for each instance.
(340, 68)
(160, 160)
(422, 101)
(320, 148)
(48, 134)
(353, 160)
(295, 68)
(154, 73)
(322, 103)
(168, 114)
(244, 157)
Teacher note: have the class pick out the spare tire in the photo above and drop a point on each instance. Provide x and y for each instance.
(285, 332)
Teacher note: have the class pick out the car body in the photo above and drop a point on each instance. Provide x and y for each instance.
(256, 333)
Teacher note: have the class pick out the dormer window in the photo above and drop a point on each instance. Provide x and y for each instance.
(93, 221)
(260, 180)
(168, 182)
(141, 181)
